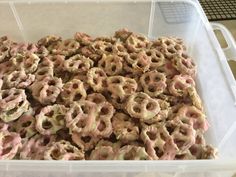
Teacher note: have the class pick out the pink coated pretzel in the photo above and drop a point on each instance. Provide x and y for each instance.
(57, 62)
(168, 69)
(169, 46)
(103, 125)
(157, 58)
(182, 133)
(89, 52)
(153, 83)
(63, 150)
(122, 34)
(81, 117)
(111, 64)
(140, 105)
(85, 141)
(180, 84)
(136, 43)
(73, 91)
(10, 143)
(67, 47)
(78, 64)
(137, 62)
(158, 142)
(120, 86)
(25, 125)
(97, 79)
(102, 153)
(119, 49)
(47, 90)
(132, 152)
(23, 48)
(34, 148)
(83, 38)
(195, 116)
(18, 79)
(27, 62)
(184, 64)
(124, 127)
(13, 104)
(50, 119)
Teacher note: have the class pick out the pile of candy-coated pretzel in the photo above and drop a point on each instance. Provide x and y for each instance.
(107, 98)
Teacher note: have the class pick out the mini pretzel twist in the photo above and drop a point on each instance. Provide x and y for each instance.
(195, 98)
(180, 84)
(123, 34)
(27, 62)
(157, 58)
(111, 64)
(47, 90)
(158, 142)
(101, 46)
(6, 68)
(18, 79)
(132, 152)
(67, 47)
(85, 141)
(50, 119)
(83, 38)
(63, 150)
(78, 64)
(195, 116)
(34, 148)
(119, 49)
(182, 133)
(140, 105)
(13, 104)
(90, 52)
(25, 125)
(57, 61)
(22, 48)
(136, 43)
(81, 117)
(137, 62)
(184, 64)
(169, 46)
(44, 69)
(102, 153)
(120, 86)
(50, 42)
(97, 79)
(73, 91)
(103, 125)
(10, 143)
(153, 83)
(124, 128)
(168, 69)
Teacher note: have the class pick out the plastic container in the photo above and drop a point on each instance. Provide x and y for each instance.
(29, 20)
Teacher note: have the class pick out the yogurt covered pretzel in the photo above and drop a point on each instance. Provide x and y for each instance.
(73, 91)
(50, 119)
(140, 105)
(23, 48)
(83, 38)
(136, 43)
(63, 150)
(10, 143)
(46, 90)
(5, 46)
(67, 47)
(124, 127)
(97, 79)
(13, 104)
(153, 83)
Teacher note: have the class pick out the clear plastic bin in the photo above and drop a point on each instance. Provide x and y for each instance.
(28, 20)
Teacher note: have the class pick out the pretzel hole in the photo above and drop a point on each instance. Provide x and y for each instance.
(60, 118)
(170, 129)
(104, 111)
(103, 64)
(171, 50)
(138, 99)
(5, 95)
(23, 133)
(86, 139)
(133, 57)
(157, 79)
(178, 86)
(47, 125)
(179, 143)
(97, 100)
(99, 73)
(189, 81)
(101, 126)
(55, 154)
(192, 114)
(129, 130)
(113, 68)
(69, 150)
(51, 82)
(6, 151)
(71, 64)
(183, 131)
(148, 53)
(147, 79)
(152, 136)
(150, 106)
(158, 152)
(81, 123)
(177, 47)
(3, 49)
(42, 72)
(74, 114)
(108, 49)
(179, 156)
(167, 42)
(78, 96)
(50, 113)
(85, 109)
(7, 139)
(12, 111)
(49, 92)
(81, 66)
(45, 141)
(137, 109)
(26, 124)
